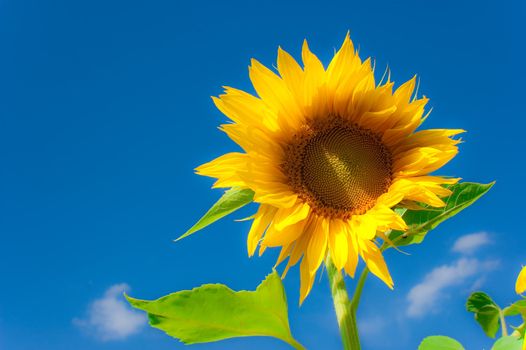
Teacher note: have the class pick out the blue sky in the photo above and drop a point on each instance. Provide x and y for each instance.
(105, 110)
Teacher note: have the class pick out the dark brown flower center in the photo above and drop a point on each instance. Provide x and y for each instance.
(339, 170)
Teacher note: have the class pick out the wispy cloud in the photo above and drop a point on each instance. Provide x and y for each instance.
(372, 326)
(424, 296)
(468, 244)
(465, 271)
(110, 318)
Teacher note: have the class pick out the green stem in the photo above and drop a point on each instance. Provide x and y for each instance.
(503, 324)
(358, 291)
(345, 314)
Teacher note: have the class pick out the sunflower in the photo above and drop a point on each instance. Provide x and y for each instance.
(329, 153)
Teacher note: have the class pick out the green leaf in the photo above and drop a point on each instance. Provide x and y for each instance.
(232, 200)
(487, 312)
(507, 343)
(420, 222)
(440, 342)
(517, 308)
(213, 312)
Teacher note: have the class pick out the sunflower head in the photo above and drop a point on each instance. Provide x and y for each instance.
(328, 153)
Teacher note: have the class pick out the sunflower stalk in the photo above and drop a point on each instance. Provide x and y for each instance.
(503, 325)
(344, 308)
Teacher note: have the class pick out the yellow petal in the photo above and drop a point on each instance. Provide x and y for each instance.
(415, 191)
(372, 256)
(306, 279)
(274, 92)
(254, 140)
(364, 226)
(225, 169)
(291, 73)
(361, 97)
(284, 253)
(404, 122)
(262, 219)
(436, 180)
(520, 285)
(276, 238)
(314, 77)
(300, 245)
(341, 64)
(403, 94)
(281, 198)
(428, 138)
(386, 217)
(317, 247)
(391, 198)
(286, 217)
(338, 245)
(244, 108)
(376, 120)
(262, 249)
(352, 252)
(312, 63)
(423, 160)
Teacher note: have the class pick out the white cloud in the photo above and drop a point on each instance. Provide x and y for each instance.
(110, 317)
(470, 243)
(372, 326)
(424, 296)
